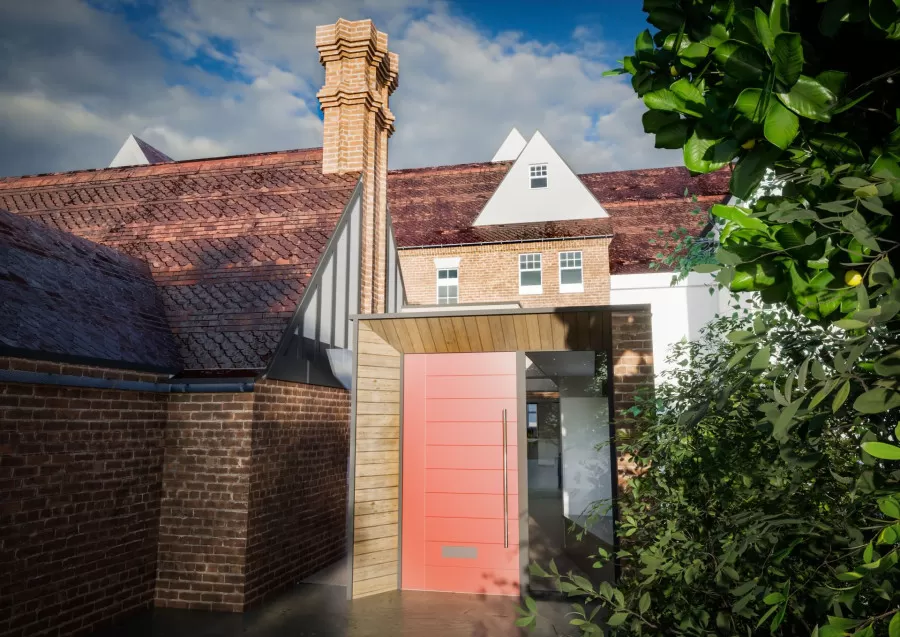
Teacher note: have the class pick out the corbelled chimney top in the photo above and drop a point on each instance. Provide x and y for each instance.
(360, 75)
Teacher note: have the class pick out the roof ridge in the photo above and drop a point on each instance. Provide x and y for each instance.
(166, 166)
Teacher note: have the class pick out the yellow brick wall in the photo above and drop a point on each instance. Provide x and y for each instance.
(490, 273)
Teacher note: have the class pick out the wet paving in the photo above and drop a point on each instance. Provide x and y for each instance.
(322, 610)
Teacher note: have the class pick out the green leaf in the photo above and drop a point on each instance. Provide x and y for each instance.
(894, 626)
(889, 365)
(882, 450)
(788, 57)
(525, 621)
(739, 356)
(850, 324)
(773, 598)
(778, 16)
(741, 61)
(750, 170)
(673, 135)
(644, 603)
(761, 360)
(665, 18)
(856, 223)
(781, 125)
(644, 42)
(836, 147)
(654, 121)
(884, 15)
(876, 401)
(840, 397)
(737, 216)
(617, 619)
(890, 508)
(665, 99)
(751, 105)
(704, 153)
(694, 54)
(530, 604)
(762, 28)
(785, 419)
(808, 98)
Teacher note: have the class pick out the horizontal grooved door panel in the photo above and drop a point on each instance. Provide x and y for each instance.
(497, 364)
(471, 387)
(453, 479)
(470, 481)
(467, 531)
(466, 580)
(472, 433)
(469, 505)
(488, 410)
(462, 457)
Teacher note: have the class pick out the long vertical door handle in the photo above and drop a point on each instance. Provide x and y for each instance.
(505, 489)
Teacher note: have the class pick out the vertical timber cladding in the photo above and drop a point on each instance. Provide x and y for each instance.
(377, 471)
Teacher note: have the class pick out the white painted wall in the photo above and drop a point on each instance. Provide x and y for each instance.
(565, 196)
(677, 311)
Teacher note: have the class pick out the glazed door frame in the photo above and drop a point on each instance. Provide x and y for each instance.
(520, 463)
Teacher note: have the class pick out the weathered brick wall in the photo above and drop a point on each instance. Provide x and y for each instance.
(298, 488)
(490, 273)
(205, 502)
(79, 501)
(632, 353)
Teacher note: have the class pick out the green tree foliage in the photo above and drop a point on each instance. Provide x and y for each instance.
(809, 91)
(735, 526)
(770, 498)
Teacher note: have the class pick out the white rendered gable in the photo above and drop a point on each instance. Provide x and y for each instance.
(564, 197)
(137, 152)
(511, 147)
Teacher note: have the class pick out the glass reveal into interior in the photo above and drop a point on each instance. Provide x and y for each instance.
(570, 463)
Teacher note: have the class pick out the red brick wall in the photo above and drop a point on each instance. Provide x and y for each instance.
(298, 488)
(490, 273)
(206, 488)
(632, 352)
(79, 501)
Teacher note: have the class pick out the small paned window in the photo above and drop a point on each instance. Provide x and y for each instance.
(538, 173)
(571, 276)
(530, 274)
(448, 286)
(532, 416)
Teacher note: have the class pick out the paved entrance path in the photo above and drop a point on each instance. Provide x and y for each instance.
(316, 610)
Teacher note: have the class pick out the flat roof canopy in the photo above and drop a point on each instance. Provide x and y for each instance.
(496, 330)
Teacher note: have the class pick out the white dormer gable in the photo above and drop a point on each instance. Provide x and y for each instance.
(137, 152)
(511, 147)
(554, 194)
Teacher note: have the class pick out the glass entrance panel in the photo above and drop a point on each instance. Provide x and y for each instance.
(571, 470)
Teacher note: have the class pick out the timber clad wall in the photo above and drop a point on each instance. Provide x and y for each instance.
(206, 484)
(490, 273)
(79, 501)
(298, 487)
(112, 500)
(377, 472)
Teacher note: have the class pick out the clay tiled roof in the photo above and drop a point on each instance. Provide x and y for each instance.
(73, 298)
(230, 242)
(437, 206)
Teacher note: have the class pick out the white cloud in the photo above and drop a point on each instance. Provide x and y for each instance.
(461, 88)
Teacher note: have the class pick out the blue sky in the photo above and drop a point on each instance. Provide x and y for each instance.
(201, 78)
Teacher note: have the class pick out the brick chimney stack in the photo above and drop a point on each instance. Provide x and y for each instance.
(360, 75)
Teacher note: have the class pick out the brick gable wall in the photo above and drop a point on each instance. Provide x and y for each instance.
(112, 501)
(490, 273)
(80, 485)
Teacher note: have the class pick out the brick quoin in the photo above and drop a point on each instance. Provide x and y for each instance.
(490, 273)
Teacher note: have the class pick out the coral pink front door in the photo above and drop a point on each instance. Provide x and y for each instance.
(454, 533)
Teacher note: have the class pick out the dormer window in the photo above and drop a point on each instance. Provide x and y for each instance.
(538, 174)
